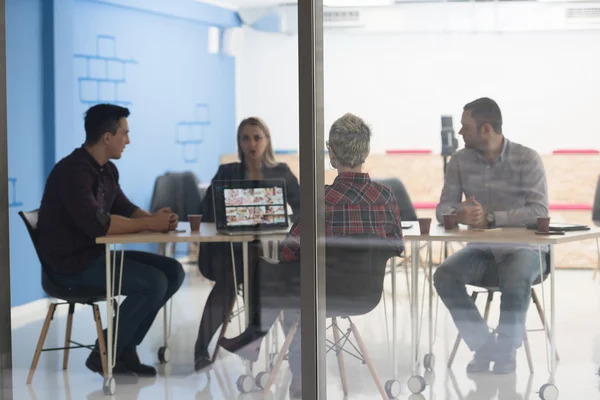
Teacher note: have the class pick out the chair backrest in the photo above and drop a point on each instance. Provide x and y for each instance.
(596, 207)
(30, 218)
(178, 191)
(407, 210)
(355, 272)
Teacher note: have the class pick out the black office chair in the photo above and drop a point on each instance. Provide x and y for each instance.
(70, 296)
(490, 290)
(354, 286)
(407, 210)
(180, 192)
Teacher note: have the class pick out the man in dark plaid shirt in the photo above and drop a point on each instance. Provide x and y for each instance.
(353, 205)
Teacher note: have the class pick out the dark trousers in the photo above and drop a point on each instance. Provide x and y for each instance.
(222, 296)
(149, 281)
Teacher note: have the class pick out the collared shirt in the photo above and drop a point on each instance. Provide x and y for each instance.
(513, 187)
(79, 197)
(353, 205)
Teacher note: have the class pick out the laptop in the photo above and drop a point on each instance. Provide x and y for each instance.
(245, 207)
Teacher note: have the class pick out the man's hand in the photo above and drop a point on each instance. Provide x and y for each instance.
(160, 221)
(472, 214)
(173, 221)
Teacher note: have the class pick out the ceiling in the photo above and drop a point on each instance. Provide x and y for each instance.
(263, 3)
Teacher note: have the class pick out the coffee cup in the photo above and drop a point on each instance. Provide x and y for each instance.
(543, 224)
(450, 222)
(424, 225)
(195, 220)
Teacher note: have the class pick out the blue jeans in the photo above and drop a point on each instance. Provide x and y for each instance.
(149, 281)
(513, 275)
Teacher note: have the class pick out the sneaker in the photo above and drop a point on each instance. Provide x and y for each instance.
(505, 359)
(120, 372)
(483, 357)
(132, 362)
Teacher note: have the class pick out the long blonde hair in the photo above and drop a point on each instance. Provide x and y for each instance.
(269, 155)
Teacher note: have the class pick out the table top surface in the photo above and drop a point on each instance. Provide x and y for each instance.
(207, 234)
(500, 235)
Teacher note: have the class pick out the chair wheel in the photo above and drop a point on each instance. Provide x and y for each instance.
(429, 377)
(245, 383)
(429, 361)
(261, 379)
(392, 388)
(164, 355)
(109, 387)
(416, 384)
(548, 392)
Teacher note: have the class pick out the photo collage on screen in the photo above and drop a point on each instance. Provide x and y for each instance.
(254, 206)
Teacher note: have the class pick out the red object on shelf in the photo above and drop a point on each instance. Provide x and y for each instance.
(575, 151)
(408, 151)
(423, 205)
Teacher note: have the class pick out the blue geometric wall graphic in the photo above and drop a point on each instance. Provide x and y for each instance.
(102, 74)
(12, 193)
(190, 134)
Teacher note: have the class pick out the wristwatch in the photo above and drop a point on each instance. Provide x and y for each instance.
(491, 220)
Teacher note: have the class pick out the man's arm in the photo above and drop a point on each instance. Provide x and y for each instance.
(90, 218)
(450, 199)
(139, 213)
(536, 198)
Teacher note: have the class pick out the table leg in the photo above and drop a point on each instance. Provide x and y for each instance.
(394, 316)
(553, 315)
(109, 316)
(416, 383)
(246, 286)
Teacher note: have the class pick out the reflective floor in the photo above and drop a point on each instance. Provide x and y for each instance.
(578, 301)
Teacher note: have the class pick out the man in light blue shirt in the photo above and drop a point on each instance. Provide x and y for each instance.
(504, 185)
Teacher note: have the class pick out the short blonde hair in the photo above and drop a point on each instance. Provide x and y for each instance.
(269, 156)
(350, 140)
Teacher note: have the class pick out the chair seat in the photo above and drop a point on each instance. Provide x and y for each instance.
(79, 294)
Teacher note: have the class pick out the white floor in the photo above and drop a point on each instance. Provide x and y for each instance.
(578, 344)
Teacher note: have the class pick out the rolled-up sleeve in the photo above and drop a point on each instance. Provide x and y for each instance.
(78, 198)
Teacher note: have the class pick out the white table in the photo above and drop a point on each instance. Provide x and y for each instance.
(416, 383)
(207, 234)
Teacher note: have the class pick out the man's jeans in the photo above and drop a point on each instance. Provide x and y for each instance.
(513, 275)
(149, 281)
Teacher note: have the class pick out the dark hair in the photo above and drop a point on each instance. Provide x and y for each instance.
(102, 118)
(486, 111)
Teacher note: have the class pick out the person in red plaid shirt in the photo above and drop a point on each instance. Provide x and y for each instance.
(353, 205)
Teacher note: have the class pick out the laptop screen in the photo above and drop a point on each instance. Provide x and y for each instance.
(250, 204)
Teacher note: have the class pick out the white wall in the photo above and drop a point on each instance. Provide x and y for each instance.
(547, 84)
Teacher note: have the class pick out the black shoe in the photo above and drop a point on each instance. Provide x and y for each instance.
(483, 357)
(120, 372)
(296, 387)
(202, 361)
(505, 359)
(245, 345)
(132, 362)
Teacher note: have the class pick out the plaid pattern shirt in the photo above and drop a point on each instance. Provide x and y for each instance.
(353, 205)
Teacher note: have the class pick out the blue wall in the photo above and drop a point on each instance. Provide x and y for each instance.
(24, 68)
(150, 56)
